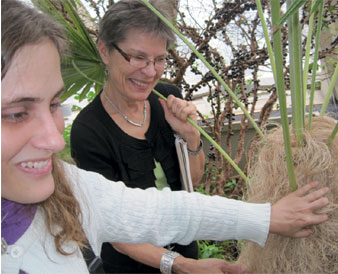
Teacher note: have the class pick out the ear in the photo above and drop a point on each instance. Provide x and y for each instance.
(103, 50)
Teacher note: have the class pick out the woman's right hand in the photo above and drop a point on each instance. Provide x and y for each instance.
(176, 112)
(184, 265)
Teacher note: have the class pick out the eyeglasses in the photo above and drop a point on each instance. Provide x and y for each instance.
(141, 61)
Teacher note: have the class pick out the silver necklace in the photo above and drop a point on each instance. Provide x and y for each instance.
(125, 116)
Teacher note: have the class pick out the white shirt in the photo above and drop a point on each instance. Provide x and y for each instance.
(114, 213)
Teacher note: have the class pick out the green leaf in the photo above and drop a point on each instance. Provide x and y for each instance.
(291, 10)
(315, 6)
(81, 68)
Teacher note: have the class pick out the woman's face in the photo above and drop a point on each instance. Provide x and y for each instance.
(134, 83)
(31, 123)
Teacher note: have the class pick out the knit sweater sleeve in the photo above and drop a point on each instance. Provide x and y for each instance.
(115, 213)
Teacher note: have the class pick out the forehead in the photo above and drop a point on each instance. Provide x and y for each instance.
(136, 38)
(34, 72)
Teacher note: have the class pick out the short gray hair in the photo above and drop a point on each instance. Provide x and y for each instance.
(127, 15)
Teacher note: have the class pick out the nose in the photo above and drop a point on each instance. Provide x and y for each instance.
(150, 69)
(49, 133)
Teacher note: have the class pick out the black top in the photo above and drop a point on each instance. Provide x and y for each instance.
(98, 144)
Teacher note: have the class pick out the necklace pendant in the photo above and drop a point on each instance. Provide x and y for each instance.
(125, 116)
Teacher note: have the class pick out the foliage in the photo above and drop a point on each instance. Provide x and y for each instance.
(65, 153)
(226, 250)
(82, 69)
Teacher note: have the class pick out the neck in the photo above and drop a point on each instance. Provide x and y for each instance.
(128, 115)
(124, 104)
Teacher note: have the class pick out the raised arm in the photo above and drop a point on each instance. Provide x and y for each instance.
(176, 112)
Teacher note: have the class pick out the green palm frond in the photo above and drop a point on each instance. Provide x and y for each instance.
(82, 69)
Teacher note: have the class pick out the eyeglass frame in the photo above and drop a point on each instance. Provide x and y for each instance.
(128, 57)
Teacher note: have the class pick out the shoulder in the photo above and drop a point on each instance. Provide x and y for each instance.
(90, 121)
(92, 112)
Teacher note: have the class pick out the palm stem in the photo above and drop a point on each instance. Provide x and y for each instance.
(212, 141)
(212, 70)
(277, 45)
(333, 135)
(307, 55)
(329, 91)
(315, 60)
(295, 60)
(266, 36)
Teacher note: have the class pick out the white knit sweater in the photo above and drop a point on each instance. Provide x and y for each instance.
(114, 213)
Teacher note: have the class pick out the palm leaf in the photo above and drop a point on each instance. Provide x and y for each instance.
(82, 69)
(292, 9)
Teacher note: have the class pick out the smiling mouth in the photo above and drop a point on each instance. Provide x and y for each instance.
(139, 83)
(34, 165)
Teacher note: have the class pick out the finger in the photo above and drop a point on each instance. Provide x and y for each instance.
(312, 219)
(315, 195)
(305, 189)
(302, 233)
(316, 219)
(320, 218)
(177, 107)
(166, 110)
(319, 204)
(170, 101)
(189, 111)
(235, 269)
(182, 109)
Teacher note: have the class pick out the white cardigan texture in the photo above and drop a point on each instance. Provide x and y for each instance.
(114, 213)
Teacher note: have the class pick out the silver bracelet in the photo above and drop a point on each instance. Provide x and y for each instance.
(167, 261)
(194, 153)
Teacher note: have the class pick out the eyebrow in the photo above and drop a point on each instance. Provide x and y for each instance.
(34, 99)
(141, 52)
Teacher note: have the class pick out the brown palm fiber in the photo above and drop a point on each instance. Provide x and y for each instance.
(267, 169)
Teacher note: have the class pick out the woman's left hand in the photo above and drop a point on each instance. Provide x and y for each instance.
(176, 112)
(293, 214)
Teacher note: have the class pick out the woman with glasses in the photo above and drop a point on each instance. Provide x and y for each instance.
(126, 134)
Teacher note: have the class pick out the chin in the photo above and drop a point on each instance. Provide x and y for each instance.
(47, 188)
(29, 191)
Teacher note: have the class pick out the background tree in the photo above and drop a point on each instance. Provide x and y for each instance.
(227, 33)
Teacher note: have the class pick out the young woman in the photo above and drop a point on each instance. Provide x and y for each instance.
(51, 209)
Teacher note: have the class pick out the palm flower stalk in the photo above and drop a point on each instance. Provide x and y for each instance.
(307, 54)
(266, 36)
(212, 70)
(212, 141)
